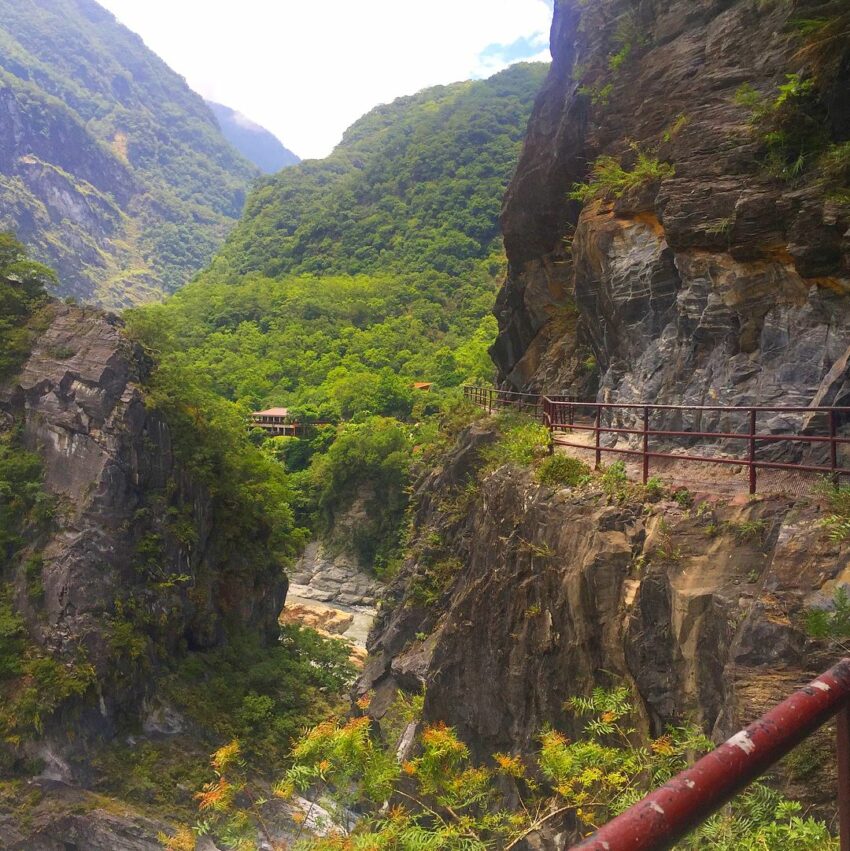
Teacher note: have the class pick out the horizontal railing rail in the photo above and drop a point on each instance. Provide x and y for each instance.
(566, 416)
(497, 400)
(669, 813)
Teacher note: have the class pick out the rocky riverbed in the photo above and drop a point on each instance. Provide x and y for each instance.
(330, 592)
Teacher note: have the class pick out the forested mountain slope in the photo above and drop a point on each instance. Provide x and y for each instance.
(111, 167)
(416, 184)
(351, 278)
(254, 142)
(397, 233)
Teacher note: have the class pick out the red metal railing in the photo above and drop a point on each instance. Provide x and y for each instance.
(565, 416)
(669, 813)
(561, 417)
(492, 400)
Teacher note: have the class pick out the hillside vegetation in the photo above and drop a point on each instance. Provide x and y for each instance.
(111, 168)
(415, 185)
(352, 278)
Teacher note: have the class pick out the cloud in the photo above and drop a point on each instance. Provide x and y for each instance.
(533, 48)
(307, 70)
(246, 123)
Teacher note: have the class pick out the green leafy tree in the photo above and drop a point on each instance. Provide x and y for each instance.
(23, 291)
(437, 798)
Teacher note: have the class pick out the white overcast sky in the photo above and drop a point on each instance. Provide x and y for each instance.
(306, 69)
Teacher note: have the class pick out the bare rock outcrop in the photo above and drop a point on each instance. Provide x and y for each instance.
(555, 592)
(135, 552)
(719, 284)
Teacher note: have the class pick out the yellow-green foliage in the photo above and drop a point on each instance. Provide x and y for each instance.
(23, 286)
(793, 126)
(522, 441)
(835, 168)
(433, 578)
(43, 686)
(833, 622)
(442, 800)
(609, 178)
(837, 520)
(25, 508)
(262, 695)
(32, 685)
(562, 470)
(161, 775)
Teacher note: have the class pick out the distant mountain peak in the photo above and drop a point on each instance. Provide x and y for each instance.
(254, 142)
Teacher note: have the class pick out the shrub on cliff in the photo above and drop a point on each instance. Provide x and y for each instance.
(562, 471)
(609, 178)
(522, 441)
(23, 290)
(437, 798)
(794, 129)
(24, 506)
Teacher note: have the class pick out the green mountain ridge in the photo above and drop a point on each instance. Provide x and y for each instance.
(349, 279)
(416, 184)
(111, 168)
(383, 257)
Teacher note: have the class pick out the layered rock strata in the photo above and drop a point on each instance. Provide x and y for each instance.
(720, 284)
(700, 609)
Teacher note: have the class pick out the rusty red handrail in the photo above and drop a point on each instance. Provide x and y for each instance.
(669, 813)
(493, 399)
(563, 415)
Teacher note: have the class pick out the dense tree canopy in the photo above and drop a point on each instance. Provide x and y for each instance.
(351, 279)
(415, 185)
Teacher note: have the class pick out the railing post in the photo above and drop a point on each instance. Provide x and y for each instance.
(571, 417)
(833, 448)
(645, 445)
(490, 401)
(598, 434)
(753, 474)
(842, 723)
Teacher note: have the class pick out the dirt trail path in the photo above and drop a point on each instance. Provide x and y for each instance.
(723, 479)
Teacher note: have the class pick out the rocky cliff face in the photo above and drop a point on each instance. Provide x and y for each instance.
(722, 283)
(555, 592)
(133, 574)
(112, 170)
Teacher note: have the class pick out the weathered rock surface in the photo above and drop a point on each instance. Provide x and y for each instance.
(330, 576)
(117, 553)
(329, 588)
(699, 609)
(720, 285)
(66, 818)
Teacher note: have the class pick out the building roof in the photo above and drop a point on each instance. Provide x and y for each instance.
(272, 412)
(422, 385)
